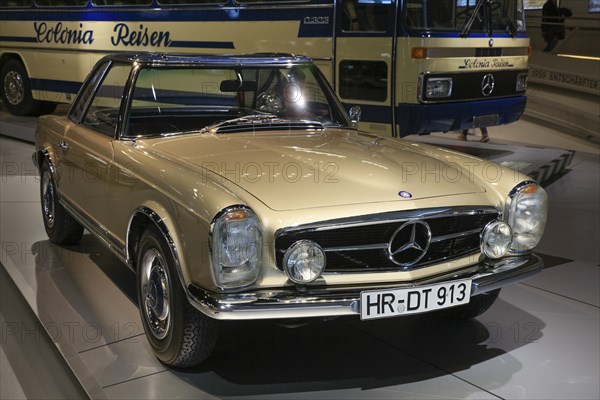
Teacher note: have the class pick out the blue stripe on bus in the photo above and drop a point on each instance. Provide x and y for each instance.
(167, 15)
(52, 85)
(425, 118)
(18, 39)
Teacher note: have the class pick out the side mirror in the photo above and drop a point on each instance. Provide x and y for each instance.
(354, 115)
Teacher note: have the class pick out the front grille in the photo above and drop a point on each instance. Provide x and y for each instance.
(362, 243)
(488, 52)
(468, 85)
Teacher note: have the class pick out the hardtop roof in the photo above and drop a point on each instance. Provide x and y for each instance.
(167, 59)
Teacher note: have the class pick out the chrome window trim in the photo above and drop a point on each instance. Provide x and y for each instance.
(100, 69)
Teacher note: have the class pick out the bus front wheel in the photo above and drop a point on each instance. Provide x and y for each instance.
(16, 91)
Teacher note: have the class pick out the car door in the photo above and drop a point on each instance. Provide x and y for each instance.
(87, 149)
(364, 60)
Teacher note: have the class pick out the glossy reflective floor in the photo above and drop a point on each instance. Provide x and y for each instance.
(539, 340)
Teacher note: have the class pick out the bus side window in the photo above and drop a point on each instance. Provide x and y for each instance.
(366, 16)
(61, 3)
(121, 2)
(363, 80)
(15, 3)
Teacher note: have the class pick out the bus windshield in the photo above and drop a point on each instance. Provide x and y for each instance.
(456, 15)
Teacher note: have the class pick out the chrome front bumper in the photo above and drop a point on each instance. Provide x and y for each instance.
(296, 302)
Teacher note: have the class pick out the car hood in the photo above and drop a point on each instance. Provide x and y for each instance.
(336, 167)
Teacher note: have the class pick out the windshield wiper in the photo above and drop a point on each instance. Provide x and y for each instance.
(511, 27)
(250, 118)
(488, 17)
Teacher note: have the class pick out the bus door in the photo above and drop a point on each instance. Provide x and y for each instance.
(364, 60)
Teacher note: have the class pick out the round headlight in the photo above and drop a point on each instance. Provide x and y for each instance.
(304, 261)
(496, 239)
(236, 247)
(527, 210)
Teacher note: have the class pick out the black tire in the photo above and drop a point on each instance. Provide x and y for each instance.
(477, 306)
(48, 107)
(16, 91)
(60, 226)
(179, 335)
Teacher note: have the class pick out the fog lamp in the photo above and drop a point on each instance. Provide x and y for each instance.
(496, 239)
(438, 87)
(304, 261)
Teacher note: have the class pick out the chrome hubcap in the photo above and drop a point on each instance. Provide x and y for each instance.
(14, 88)
(155, 293)
(48, 199)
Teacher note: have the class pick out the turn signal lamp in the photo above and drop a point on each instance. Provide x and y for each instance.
(419, 52)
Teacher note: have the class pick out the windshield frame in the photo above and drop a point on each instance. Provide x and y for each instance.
(339, 115)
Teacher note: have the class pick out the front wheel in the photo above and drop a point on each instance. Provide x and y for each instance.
(477, 306)
(179, 334)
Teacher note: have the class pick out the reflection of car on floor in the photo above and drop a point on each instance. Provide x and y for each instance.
(237, 188)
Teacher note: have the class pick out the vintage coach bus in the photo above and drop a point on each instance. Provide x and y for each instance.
(413, 66)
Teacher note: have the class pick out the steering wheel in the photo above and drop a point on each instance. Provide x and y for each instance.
(269, 102)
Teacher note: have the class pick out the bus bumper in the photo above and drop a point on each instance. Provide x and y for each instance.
(442, 117)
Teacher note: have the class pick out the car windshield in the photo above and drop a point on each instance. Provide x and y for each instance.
(168, 100)
(455, 15)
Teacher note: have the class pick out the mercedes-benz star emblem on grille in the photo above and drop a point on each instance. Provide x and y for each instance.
(487, 85)
(409, 243)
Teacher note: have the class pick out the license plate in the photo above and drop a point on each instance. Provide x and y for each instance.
(414, 300)
(485, 120)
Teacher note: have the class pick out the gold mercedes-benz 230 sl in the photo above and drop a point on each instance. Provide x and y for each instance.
(237, 187)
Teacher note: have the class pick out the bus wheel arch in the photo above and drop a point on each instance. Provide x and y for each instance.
(16, 91)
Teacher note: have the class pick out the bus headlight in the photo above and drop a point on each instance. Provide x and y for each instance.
(438, 88)
(526, 211)
(521, 82)
(236, 247)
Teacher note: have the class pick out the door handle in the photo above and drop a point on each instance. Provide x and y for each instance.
(63, 145)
